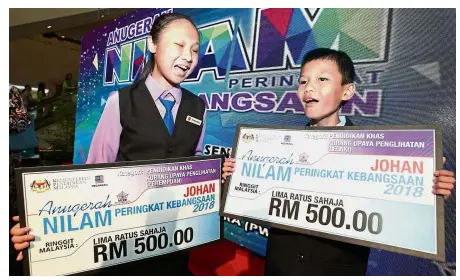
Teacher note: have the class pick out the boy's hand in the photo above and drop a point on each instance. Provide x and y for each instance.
(227, 170)
(443, 182)
(20, 237)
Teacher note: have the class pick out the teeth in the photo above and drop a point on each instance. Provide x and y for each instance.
(185, 68)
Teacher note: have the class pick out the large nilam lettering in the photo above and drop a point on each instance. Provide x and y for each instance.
(70, 221)
(277, 45)
(254, 166)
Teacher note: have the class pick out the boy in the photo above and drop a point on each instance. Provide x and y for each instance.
(326, 82)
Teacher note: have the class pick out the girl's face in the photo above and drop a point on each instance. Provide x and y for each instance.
(176, 53)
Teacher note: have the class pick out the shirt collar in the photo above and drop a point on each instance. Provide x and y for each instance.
(342, 121)
(156, 91)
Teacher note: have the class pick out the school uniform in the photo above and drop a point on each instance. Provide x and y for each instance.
(142, 134)
(290, 253)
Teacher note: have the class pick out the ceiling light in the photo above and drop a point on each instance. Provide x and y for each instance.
(49, 26)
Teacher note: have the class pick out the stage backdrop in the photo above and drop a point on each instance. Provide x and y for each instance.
(247, 73)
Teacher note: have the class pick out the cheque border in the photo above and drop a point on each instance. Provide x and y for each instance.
(439, 202)
(20, 172)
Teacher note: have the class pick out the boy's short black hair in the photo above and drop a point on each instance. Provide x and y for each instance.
(343, 61)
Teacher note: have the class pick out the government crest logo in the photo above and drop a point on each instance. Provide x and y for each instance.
(40, 186)
(248, 137)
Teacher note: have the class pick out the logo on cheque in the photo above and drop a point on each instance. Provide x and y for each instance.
(40, 186)
(248, 137)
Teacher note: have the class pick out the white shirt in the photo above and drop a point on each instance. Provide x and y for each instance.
(342, 120)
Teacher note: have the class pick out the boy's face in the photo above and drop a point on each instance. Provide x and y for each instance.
(321, 91)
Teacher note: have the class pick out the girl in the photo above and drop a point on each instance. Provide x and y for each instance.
(148, 120)
(152, 112)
